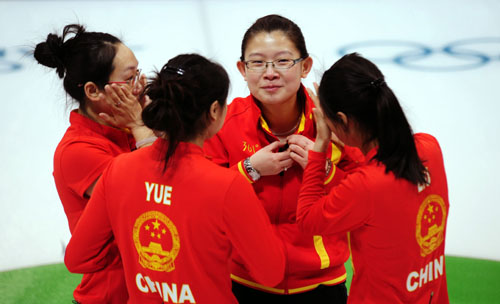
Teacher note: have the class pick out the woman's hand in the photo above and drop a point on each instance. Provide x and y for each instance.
(299, 146)
(125, 111)
(267, 162)
(323, 132)
(124, 108)
(139, 89)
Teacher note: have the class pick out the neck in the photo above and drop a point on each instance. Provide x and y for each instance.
(368, 146)
(282, 118)
(198, 141)
(89, 113)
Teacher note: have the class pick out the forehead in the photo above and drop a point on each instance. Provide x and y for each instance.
(124, 58)
(270, 44)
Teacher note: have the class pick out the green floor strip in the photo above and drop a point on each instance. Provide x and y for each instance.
(469, 281)
(42, 284)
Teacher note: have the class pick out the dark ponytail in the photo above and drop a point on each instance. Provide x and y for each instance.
(85, 56)
(356, 87)
(181, 95)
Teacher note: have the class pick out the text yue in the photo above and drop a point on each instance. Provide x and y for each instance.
(161, 193)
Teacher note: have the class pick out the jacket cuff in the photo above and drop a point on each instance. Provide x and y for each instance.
(244, 172)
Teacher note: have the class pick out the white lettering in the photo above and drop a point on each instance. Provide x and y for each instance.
(423, 276)
(421, 187)
(149, 188)
(151, 284)
(438, 267)
(158, 287)
(167, 196)
(167, 291)
(186, 294)
(158, 196)
(432, 271)
(139, 279)
(162, 193)
(409, 285)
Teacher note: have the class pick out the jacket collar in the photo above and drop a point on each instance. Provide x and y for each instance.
(183, 148)
(122, 138)
(305, 119)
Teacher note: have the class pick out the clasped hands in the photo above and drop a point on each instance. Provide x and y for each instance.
(281, 155)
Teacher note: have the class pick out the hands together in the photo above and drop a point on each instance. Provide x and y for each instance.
(268, 162)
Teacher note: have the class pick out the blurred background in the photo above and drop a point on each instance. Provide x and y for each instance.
(441, 58)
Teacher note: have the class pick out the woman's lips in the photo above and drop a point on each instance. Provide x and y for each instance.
(271, 88)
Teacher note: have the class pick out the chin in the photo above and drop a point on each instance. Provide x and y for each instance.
(273, 98)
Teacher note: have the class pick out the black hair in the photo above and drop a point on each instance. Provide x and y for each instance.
(86, 56)
(357, 88)
(181, 95)
(271, 23)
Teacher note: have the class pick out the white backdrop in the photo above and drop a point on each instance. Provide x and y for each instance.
(442, 59)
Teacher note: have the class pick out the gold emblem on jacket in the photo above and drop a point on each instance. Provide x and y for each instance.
(152, 241)
(431, 220)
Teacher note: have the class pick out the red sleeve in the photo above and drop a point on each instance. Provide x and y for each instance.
(82, 163)
(252, 235)
(345, 160)
(351, 158)
(92, 246)
(344, 208)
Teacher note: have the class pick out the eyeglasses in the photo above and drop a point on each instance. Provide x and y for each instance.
(132, 82)
(278, 64)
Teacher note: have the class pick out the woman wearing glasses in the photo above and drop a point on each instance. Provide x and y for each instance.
(100, 74)
(175, 215)
(266, 137)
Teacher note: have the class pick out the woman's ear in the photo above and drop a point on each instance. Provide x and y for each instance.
(215, 109)
(92, 91)
(343, 118)
(306, 66)
(241, 67)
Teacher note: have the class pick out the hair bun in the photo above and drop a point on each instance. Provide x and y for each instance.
(50, 53)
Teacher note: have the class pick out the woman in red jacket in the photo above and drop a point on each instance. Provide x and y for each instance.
(175, 215)
(395, 205)
(254, 140)
(101, 75)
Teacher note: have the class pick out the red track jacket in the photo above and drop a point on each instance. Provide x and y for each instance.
(84, 152)
(310, 259)
(397, 229)
(175, 230)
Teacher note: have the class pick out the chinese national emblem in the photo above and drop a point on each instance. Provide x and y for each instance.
(431, 220)
(156, 240)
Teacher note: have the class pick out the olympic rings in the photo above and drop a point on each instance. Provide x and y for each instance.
(457, 55)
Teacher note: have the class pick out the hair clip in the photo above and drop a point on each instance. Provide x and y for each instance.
(178, 71)
(377, 83)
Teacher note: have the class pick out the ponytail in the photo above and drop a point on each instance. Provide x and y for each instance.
(356, 87)
(181, 95)
(397, 150)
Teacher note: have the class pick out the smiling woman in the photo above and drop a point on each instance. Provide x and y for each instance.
(265, 138)
(100, 73)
